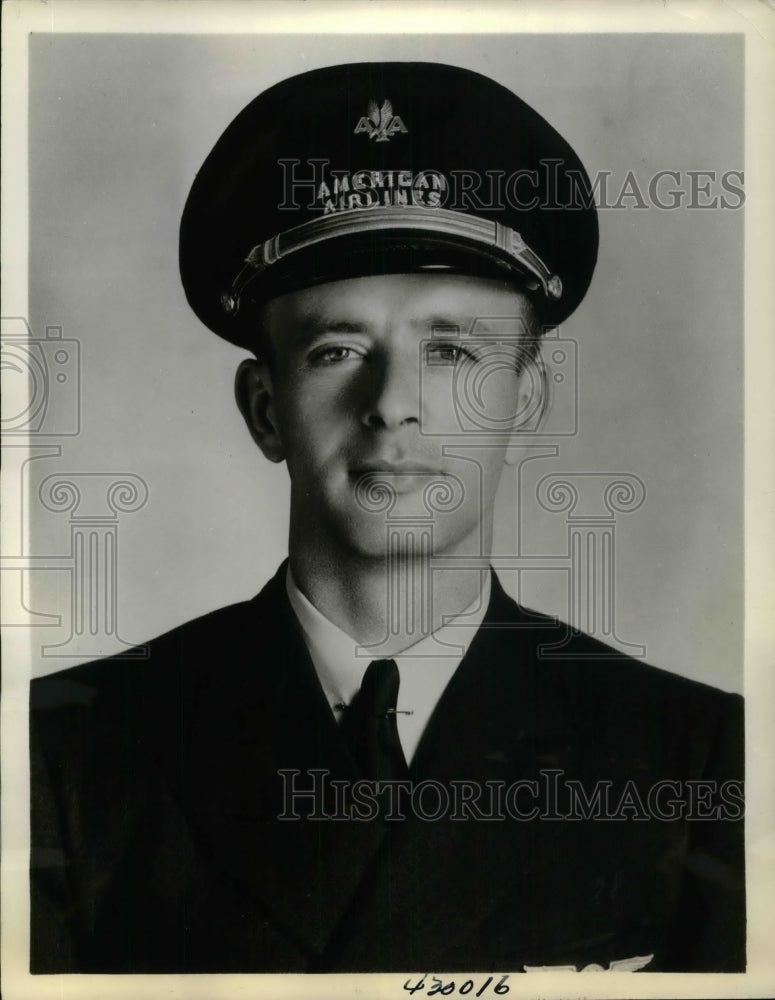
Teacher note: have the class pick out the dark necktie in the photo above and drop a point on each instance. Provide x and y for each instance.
(369, 724)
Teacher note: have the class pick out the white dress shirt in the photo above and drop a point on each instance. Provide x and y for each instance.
(425, 668)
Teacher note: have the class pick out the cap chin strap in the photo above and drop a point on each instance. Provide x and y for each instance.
(450, 227)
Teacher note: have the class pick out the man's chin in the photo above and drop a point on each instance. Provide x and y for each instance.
(372, 537)
(404, 537)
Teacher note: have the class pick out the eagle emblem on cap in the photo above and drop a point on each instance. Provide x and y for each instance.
(379, 122)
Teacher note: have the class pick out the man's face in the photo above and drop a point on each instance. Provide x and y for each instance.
(391, 397)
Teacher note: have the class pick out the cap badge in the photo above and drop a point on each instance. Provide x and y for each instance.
(380, 123)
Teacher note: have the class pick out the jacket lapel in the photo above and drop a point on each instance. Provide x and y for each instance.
(275, 732)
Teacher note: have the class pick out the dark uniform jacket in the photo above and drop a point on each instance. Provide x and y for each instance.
(156, 791)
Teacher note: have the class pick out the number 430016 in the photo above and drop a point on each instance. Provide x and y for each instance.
(439, 987)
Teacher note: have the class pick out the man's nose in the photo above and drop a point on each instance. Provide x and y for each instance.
(392, 397)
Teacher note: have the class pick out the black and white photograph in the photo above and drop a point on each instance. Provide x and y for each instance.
(386, 540)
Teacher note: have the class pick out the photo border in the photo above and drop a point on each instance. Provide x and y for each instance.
(756, 20)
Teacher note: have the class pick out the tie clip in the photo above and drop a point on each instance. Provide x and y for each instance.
(339, 706)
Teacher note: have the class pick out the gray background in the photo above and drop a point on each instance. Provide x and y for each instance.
(118, 127)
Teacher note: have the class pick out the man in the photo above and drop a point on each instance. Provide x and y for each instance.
(378, 763)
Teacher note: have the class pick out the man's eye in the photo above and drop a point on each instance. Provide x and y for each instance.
(333, 354)
(447, 354)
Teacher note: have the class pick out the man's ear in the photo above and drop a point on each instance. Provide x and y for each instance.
(532, 404)
(255, 398)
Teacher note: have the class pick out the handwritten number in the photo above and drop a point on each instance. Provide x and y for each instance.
(440, 988)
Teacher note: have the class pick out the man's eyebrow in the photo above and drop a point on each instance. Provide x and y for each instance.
(472, 326)
(312, 325)
(308, 328)
(454, 326)
(442, 324)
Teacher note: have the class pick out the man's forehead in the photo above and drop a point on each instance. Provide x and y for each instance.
(432, 303)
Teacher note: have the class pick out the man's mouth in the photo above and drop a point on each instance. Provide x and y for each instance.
(401, 468)
(401, 477)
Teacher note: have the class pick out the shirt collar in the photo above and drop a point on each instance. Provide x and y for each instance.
(339, 664)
